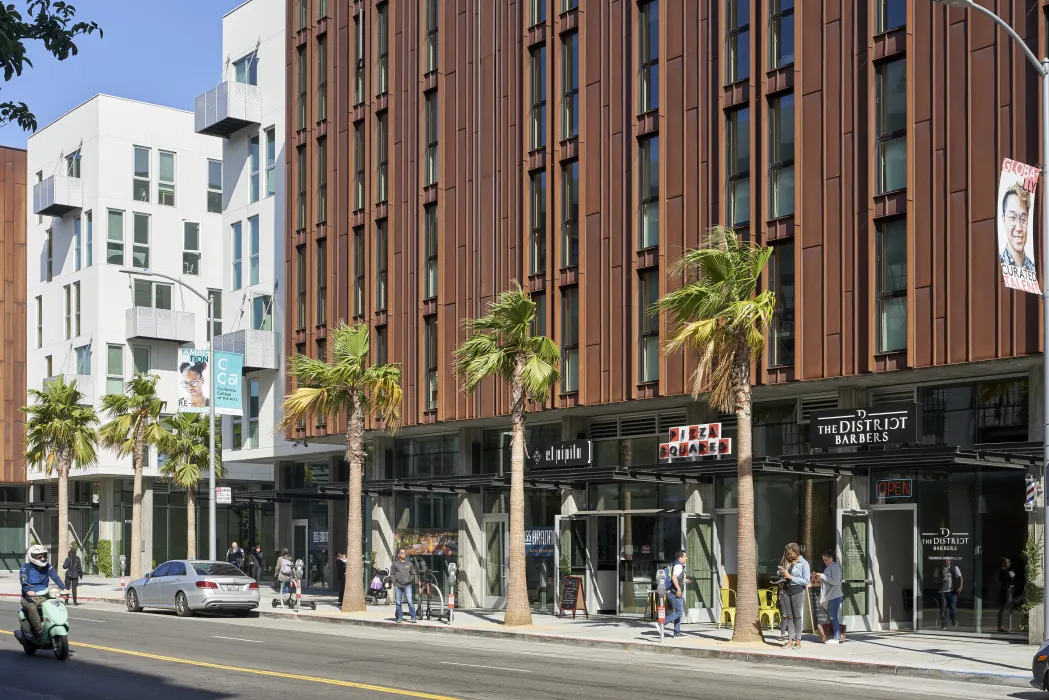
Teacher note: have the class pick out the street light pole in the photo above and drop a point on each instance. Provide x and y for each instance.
(212, 517)
(1042, 67)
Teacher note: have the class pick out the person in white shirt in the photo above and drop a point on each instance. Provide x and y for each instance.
(676, 591)
(831, 594)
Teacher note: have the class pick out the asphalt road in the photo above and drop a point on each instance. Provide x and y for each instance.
(154, 655)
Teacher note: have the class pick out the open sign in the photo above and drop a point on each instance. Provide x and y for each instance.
(894, 488)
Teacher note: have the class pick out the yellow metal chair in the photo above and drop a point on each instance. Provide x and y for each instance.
(728, 608)
(768, 607)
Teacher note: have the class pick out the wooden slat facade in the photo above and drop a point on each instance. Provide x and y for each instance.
(13, 196)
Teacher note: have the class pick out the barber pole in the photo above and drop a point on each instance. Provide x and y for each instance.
(1032, 492)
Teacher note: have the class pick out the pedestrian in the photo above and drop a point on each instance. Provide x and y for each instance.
(830, 592)
(284, 571)
(676, 590)
(257, 563)
(74, 570)
(950, 588)
(340, 575)
(1006, 585)
(235, 556)
(403, 574)
(797, 575)
(781, 597)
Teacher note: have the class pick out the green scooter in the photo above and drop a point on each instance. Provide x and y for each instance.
(55, 622)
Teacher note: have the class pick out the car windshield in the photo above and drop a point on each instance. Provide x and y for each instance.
(216, 568)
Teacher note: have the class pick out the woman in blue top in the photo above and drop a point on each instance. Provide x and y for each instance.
(797, 578)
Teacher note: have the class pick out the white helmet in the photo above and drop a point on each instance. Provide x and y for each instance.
(37, 555)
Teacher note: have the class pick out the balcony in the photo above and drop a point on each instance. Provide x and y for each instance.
(261, 349)
(85, 383)
(159, 324)
(227, 108)
(57, 196)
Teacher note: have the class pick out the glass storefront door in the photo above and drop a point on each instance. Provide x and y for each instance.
(699, 545)
(496, 531)
(893, 553)
(855, 568)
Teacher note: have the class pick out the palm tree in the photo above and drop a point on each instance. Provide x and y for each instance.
(184, 441)
(132, 429)
(718, 313)
(60, 434)
(349, 384)
(501, 345)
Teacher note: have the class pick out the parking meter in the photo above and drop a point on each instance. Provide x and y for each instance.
(661, 602)
(300, 569)
(123, 565)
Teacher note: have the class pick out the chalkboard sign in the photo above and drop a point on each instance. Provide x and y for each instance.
(573, 596)
(822, 624)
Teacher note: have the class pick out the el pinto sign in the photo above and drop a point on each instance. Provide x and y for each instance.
(890, 424)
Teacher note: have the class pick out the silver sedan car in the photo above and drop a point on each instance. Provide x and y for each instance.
(191, 585)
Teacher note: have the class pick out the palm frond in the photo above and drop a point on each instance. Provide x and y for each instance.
(184, 441)
(382, 394)
(57, 423)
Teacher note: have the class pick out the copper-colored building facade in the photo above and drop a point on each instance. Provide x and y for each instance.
(413, 124)
(13, 312)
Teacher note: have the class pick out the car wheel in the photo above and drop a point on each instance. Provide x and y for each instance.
(132, 601)
(60, 645)
(1045, 682)
(182, 608)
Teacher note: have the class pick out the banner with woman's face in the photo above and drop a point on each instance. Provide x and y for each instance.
(193, 378)
(1015, 218)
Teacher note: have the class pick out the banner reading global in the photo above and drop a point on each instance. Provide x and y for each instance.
(195, 371)
(1015, 218)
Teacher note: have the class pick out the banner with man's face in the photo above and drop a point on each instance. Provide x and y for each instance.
(1015, 216)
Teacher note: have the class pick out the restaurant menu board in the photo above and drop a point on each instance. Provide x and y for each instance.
(694, 441)
(573, 596)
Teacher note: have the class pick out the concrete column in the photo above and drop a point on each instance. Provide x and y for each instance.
(147, 526)
(699, 498)
(852, 492)
(572, 501)
(1035, 408)
(469, 586)
(467, 438)
(383, 541)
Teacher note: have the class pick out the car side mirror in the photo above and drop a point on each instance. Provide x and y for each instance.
(149, 575)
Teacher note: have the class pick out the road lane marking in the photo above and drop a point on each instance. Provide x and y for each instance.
(237, 639)
(263, 672)
(86, 619)
(494, 668)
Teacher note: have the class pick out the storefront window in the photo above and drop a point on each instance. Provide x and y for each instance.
(627, 452)
(777, 432)
(963, 414)
(427, 457)
(497, 445)
(427, 527)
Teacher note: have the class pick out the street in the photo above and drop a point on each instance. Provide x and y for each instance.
(157, 656)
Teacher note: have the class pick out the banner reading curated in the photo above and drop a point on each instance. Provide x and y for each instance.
(1015, 206)
(195, 371)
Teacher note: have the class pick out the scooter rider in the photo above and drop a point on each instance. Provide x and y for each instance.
(36, 576)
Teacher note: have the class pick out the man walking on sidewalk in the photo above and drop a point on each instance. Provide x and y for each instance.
(950, 588)
(676, 591)
(235, 556)
(403, 574)
(340, 575)
(74, 570)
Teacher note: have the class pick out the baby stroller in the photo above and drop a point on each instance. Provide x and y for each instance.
(379, 588)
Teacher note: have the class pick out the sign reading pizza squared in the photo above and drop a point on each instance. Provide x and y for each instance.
(694, 441)
(889, 424)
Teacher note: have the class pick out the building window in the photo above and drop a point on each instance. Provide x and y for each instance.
(358, 168)
(39, 179)
(382, 63)
(238, 433)
(570, 83)
(892, 14)
(253, 414)
(892, 285)
(892, 125)
(322, 79)
(140, 183)
(781, 33)
(300, 279)
(358, 272)
(737, 165)
(737, 21)
(304, 19)
(67, 294)
(139, 359)
(140, 241)
(648, 56)
(262, 312)
(78, 251)
(569, 339)
(538, 61)
(246, 70)
(567, 5)
(152, 295)
(963, 414)
(300, 158)
(90, 247)
(431, 137)
(358, 72)
(39, 322)
(73, 165)
(538, 216)
(430, 333)
(648, 195)
(254, 165)
(536, 12)
(322, 180)
(253, 241)
(76, 309)
(431, 36)
(382, 156)
(322, 9)
(83, 361)
(114, 369)
(300, 60)
(48, 367)
(322, 282)
(166, 179)
(380, 265)
(381, 348)
(430, 240)
(781, 282)
(190, 248)
(115, 238)
(237, 255)
(271, 161)
(539, 322)
(781, 156)
(570, 212)
(215, 297)
(49, 271)
(648, 326)
(215, 186)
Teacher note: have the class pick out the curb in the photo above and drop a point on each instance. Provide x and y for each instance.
(89, 599)
(867, 667)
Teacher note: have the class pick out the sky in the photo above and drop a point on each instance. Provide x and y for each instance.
(161, 51)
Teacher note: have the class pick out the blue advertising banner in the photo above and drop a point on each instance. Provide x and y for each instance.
(196, 370)
(229, 397)
(539, 542)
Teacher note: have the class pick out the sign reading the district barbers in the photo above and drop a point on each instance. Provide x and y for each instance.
(695, 441)
(571, 453)
(891, 424)
(1015, 217)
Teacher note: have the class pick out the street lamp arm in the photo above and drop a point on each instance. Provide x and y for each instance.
(176, 280)
(1016, 37)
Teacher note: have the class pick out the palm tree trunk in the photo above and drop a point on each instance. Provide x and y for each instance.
(353, 586)
(191, 522)
(517, 609)
(747, 628)
(136, 509)
(63, 508)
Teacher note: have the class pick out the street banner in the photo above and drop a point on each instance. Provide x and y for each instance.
(1016, 190)
(195, 371)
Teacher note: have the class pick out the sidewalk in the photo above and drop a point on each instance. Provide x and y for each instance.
(897, 653)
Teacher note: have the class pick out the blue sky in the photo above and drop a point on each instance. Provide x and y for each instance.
(161, 51)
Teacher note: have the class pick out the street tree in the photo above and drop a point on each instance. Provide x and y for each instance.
(53, 23)
(60, 435)
(718, 313)
(133, 428)
(502, 345)
(346, 383)
(184, 442)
